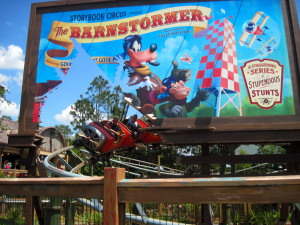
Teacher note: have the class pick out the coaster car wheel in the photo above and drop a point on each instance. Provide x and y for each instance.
(92, 138)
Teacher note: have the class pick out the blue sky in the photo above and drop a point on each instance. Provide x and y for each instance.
(14, 18)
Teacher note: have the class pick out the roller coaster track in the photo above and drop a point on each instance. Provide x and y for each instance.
(119, 160)
(145, 166)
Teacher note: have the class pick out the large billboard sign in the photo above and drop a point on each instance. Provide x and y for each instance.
(191, 60)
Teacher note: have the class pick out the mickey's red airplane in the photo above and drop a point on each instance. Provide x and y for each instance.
(252, 28)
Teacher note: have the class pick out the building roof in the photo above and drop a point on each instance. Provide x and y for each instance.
(10, 126)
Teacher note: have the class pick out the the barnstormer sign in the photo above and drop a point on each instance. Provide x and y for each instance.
(61, 33)
(196, 64)
(179, 60)
(264, 82)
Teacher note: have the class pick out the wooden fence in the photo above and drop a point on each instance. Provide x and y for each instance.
(13, 172)
(116, 190)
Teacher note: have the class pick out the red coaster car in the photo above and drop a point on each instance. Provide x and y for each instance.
(97, 137)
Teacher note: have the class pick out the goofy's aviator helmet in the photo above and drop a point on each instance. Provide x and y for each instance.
(128, 42)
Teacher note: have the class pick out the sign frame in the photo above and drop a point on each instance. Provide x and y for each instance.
(250, 129)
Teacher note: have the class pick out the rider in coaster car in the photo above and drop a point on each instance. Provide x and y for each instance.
(133, 125)
(115, 127)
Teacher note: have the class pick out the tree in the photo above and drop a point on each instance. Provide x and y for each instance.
(98, 94)
(65, 130)
(271, 149)
(99, 102)
(116, 102)
(81, 112)
(2, 91)
(2, 99)
(6, 117)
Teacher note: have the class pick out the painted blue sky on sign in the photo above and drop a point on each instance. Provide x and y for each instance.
(13, 50)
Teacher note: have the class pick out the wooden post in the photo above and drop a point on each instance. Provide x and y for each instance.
(220, 214)
(1, 152)
(196, 213)
(38, 205)
(69, 213)
(15, 173)
(52, 211)
(2, 205)
(205, 170)
(160, 206)
(226, 207)
(29, 211)
(232, 152)
(91, 170)
(291, 168)
(205, 167)
(122, 210)
(245, 210)
(226, 214)
(158, 165)
(111, 204)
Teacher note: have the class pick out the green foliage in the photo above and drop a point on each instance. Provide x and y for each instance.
(2, 91)
(6, 117)
(271, 149)
(66, 132)
(90, 217)
(99, 102)
(2, 99)
(169, 156)
(81, 112)
(236, 218)
(202, 111)
(116, 102)
(98, 170)
(270, 217)
(286, 108)
(266, 217)
(229, 110)
(3, 127)
(98, 94)
(182, 213)
(12, 217)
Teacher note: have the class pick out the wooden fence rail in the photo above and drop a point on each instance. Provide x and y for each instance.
(14, 172)
(116, 190)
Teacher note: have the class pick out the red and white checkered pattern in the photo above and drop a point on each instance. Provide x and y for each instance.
(218, 65)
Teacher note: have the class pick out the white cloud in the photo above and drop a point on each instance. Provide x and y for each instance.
(64, 117)
(12, 58)
(9, 109)
(195, 50)
(4, 80)
(19, 78)
(170, 48)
